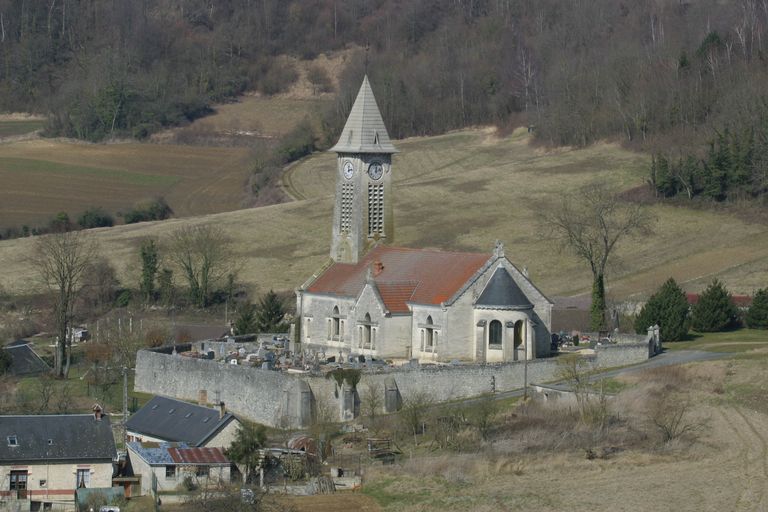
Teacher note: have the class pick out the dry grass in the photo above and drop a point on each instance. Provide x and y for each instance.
(458, 191)
(722, 469)
(42, 177)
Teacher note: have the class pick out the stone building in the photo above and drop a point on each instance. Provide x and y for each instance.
(175, 421)
(169, 464)
(383, 301)
(45, 458)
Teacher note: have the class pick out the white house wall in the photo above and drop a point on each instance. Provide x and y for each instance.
(59, 480)
(225, 436)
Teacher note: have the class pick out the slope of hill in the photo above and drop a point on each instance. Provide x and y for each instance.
(462, 191)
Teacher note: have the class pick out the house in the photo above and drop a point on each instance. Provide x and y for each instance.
(742, 302)
(169, 420)
(45, 458)
(24, 360)
(174, 465)
(375, 299)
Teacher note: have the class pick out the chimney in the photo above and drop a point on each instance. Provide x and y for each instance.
(222, 410)
(378, 268)
(97, 412)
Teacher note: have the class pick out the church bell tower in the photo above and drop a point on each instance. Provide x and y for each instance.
(362, 213)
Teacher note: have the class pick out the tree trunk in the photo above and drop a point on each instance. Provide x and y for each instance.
(61, 347)
(65, 374)
(597, 314)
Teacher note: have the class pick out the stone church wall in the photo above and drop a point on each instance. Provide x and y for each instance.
(281, 399)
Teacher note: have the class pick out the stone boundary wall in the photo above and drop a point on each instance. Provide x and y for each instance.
(272, 397)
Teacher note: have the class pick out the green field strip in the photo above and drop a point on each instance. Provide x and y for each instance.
(9, 128)
(46, 167)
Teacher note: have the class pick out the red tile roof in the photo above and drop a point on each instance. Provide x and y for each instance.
(740, 301)
(421, 276)
(198, 455)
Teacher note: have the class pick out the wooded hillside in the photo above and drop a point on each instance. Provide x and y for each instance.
(578, 70)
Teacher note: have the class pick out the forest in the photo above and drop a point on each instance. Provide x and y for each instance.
(663, 75)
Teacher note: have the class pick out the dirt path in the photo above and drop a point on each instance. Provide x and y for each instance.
(751, 436)
(341, 502)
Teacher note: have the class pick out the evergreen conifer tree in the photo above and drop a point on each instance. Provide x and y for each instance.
(150, 264)
(757, 316)
(270, 313)
(715, 310)
(246, 319)
(667, 308)
(245, 449)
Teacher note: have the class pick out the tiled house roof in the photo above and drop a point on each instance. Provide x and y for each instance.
(420, 276)
(164, 454)
(198, 456)
(740, 301)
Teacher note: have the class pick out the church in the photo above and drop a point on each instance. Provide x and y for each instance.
(376, 299)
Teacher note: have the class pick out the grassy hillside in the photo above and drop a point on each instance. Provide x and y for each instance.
(200, 169)
(42, 177)
(462, 191)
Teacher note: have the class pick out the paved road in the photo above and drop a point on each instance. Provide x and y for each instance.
(664, 359)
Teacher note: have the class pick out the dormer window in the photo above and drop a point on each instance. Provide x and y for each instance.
(13, 441)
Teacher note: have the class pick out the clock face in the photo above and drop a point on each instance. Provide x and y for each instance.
(349, 169)
(375, 170)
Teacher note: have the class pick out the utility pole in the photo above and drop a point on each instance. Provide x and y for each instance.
(125, 407)
(525, 364)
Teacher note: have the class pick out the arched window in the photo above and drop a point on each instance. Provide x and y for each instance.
(429, 334)
(335, 329)
(494, 335)
(518, 333)
(367, 331)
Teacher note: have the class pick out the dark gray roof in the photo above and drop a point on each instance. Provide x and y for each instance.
(177, 421)
(16, 343)
(24, 361)
(364, 131)
(64, 437)
(502, 292)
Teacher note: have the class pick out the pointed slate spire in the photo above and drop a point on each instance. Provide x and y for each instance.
(364, 131)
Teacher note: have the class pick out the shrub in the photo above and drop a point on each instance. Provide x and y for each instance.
(124, 299)
(5, 361)
(95, 218)
(298, 143)
(715, 310)
(668, 308)
(278, 78)
(189, 484)
(320, 80)
(59, 223)
(757, 316)
(157, 209)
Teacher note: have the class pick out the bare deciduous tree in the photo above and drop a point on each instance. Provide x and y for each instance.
(590, 223)
(413, 415)
(204, 256)
(61, 260)
(373, 400)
